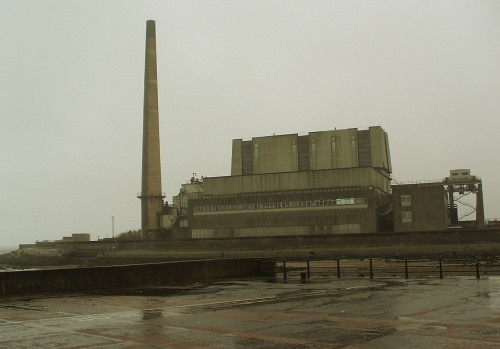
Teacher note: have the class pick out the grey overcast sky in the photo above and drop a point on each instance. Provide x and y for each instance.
(71, 95)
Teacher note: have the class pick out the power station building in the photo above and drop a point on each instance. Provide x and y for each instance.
(327, 182)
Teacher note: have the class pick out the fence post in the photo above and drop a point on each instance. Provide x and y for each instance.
(371, 269)
(406, 268)
(284, 269)
(308, 270)
(440, 268)
(338, 268)
(477, 268)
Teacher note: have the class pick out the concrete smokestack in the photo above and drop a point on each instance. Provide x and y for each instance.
(151, 194)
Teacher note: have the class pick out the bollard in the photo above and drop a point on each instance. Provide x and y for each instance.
(303, 277)
(371, 269)
(440, 268)
(284, 269)
(477, 268)
(308, 270)
(406, 268)
(338, 269)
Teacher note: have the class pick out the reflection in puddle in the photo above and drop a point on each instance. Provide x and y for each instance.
(148, 314)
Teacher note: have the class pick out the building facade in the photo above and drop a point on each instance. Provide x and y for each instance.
(420, 207)
(322, 183)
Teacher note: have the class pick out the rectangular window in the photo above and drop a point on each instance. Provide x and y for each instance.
(405, 200)
(406, 216)
(334, 153)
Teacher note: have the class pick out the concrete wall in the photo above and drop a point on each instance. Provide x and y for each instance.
(236, 161)
(100, 278)
(427, 206)
(308, 212)
(273, 182)
(275, 154)
(327, 150)
(290, 242)
(325, 155)
(380, 151)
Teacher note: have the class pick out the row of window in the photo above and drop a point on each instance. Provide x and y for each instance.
(282, 204)
(293, 192)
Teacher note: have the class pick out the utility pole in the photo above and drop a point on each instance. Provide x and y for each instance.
(113, 226)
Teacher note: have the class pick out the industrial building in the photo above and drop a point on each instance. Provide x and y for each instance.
(327, 182)
(330, 182)
(320, 183)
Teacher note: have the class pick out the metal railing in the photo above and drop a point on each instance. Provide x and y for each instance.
(382, 268)
(147, 195)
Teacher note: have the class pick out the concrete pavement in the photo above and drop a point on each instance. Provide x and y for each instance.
(349, 313)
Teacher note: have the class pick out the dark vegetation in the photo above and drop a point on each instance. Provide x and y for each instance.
(129, 235)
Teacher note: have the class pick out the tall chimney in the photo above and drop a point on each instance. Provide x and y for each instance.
(151, 195)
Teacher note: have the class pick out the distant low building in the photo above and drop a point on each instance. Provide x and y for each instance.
(76, 237)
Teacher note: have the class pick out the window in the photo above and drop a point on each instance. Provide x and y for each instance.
(406, 216)
(405, 200)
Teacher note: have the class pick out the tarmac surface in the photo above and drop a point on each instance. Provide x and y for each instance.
(459, 312)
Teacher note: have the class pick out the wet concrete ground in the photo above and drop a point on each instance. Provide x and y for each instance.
(325, 313)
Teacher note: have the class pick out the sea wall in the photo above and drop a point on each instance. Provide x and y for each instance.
(136, 275)
(447, 244)
(281, 242)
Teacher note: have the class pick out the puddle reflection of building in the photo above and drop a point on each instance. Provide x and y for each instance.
(151, 325)
(148, 314)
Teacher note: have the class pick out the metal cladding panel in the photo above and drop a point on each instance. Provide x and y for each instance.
(380, 155)
(303, 153)
(247, 157)
(364, 149)
(388, 153)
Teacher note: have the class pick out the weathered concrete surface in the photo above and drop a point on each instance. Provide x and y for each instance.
(110, 277)
(151, 194)
(355, 313)
(446, 244)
